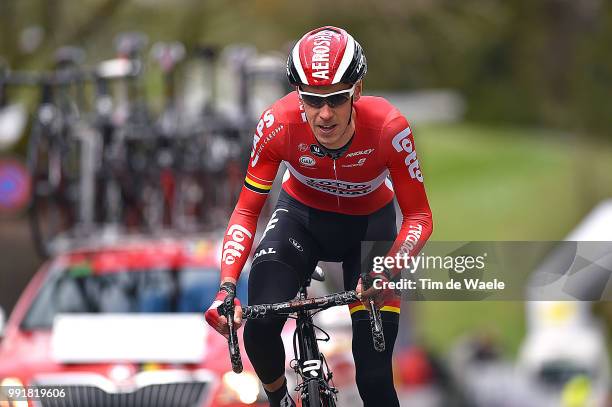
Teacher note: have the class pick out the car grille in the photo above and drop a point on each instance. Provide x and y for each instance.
(157, 395)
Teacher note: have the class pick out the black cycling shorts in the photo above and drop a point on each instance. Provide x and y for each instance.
(300, 236)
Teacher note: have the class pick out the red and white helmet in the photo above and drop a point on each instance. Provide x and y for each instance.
(326, 56)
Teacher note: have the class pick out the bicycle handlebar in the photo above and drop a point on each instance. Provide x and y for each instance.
(284, 308)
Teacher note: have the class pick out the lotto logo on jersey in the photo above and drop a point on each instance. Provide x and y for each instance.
(402, 142)
(233, 248)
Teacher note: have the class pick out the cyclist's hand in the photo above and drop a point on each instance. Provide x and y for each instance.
(376, 294)
(217, 321)
(379, 292)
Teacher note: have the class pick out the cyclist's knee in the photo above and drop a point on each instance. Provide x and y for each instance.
(269, 282)
(261, 330)
(264, 345)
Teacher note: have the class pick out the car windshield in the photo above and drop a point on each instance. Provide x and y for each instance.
(189, 289)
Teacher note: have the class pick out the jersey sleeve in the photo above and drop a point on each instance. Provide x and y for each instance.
(266, 157)
(407, 178)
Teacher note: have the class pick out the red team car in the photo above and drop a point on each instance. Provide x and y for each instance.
(121, 324)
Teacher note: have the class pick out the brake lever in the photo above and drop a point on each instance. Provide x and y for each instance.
(227, 309)
(378, 335)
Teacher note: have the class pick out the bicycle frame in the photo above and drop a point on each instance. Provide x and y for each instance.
(311, 366)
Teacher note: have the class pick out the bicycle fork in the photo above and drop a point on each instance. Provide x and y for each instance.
(311, 362)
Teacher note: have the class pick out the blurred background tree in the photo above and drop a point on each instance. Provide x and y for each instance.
(543, 63)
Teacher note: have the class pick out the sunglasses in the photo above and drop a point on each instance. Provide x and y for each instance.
(332, 100)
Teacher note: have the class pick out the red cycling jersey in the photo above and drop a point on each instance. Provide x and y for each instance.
(357, 183)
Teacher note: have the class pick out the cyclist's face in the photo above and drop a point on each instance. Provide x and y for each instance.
(330, 125)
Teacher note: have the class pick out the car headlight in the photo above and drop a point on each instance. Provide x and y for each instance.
(244, 387)
(12, 393)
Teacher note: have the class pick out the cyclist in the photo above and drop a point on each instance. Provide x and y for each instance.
(339, 148)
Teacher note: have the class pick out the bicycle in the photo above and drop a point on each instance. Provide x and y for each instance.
(52, 157)
(315, 383)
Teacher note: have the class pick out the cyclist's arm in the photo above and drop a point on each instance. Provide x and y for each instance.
(407, 178)
(263, 165)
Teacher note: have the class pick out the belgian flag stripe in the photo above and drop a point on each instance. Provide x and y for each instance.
(386, 308)
(256, 186)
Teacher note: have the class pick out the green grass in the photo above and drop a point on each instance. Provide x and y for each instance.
(493, 183)
(440, 324)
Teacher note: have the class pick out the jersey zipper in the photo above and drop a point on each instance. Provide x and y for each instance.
(337, 184)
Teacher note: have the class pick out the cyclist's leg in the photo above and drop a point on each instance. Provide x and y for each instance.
(281, 261)
(373, 370)
(269, 282)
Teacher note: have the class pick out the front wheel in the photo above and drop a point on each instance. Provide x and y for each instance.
(314, 394)
(317, 396)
